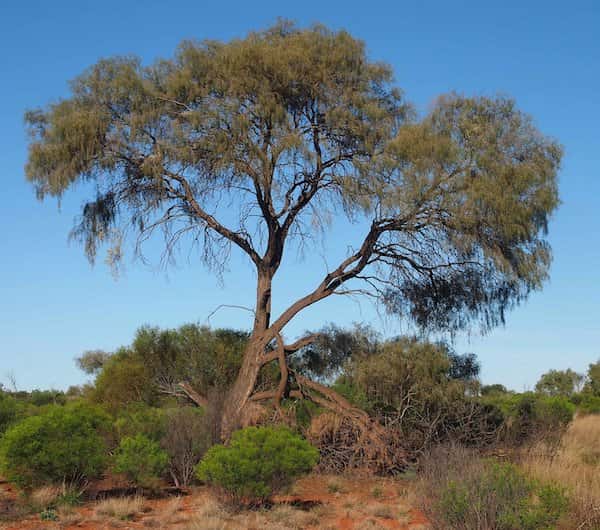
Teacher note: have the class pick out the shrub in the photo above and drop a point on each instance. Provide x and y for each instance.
(62, 444)
(464, 491)
(139, 418)
(124, 379)
(258, 462)
(141, 460)
(187, 438)
(589, 404)
(8, 411)
(528, 415)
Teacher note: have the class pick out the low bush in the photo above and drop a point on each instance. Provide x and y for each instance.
(258, 462)
(141, 460)
(62, 444)
(464, 492)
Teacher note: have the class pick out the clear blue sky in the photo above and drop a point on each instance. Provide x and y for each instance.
(53, 305)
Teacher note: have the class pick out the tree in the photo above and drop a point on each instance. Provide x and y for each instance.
(92, 361)
(593, 379)
(286, 128)
(559, 383)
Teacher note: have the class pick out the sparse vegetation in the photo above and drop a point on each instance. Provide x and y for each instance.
(121, 508)
(291, 130)
(463, 491)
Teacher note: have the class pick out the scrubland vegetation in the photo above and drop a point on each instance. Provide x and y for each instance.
(289, 129)
(468, 455)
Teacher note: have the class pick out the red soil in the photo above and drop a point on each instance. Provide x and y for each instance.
(349, 503)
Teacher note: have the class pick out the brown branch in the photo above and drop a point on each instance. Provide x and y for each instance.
(201, 401)
(210, 221)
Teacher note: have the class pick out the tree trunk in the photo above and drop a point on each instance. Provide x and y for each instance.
(236, 406)
(236, 400)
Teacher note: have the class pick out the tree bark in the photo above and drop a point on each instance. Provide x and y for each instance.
(238, 396)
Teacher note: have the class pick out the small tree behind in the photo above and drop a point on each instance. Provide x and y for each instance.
(560, 383)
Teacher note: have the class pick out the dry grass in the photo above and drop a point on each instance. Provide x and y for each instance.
(45, 497)
(122, 508)
(68, 516)
(293, 517)
(172, 513)
(576, 465)
(383, 511)
(213, 516)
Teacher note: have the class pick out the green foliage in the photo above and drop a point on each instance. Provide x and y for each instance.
(559, 383)
(138, 418)
(61, 444)
(467, 492)
(49, 515)
(141, 460)
(258, 462)
(494, 389)
(205, 358)
(92, 361)
(8, 411)
(593, 382)
(158, 360)
(124, 379)
(424, 389)
(458, 200)
(589, 404)
(529, 414)
(39, 398)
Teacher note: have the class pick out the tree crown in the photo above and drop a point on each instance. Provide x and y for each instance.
(287, 127)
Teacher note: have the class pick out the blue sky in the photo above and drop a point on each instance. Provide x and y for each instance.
(53, 305)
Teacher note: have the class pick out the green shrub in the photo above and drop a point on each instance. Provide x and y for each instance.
(464, 491)
(589, 404)
(61, 444)
(258, 462)
(139, 418)
(8, 411)
(141, 460)
(530, 415)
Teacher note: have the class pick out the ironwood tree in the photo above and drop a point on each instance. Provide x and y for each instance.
(248, 144)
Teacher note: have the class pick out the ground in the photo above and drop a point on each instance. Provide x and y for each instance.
(315, 502)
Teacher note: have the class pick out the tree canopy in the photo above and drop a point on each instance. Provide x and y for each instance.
(292, 124)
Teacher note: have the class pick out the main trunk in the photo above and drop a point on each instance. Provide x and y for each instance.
(235, 408)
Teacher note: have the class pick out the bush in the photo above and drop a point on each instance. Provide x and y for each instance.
(8, 411)
(61, 444)
(141, 460)
(187, 438)
(139, 418)
(589, 404)
(464, 491)
(258, 462)
(532, 416)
